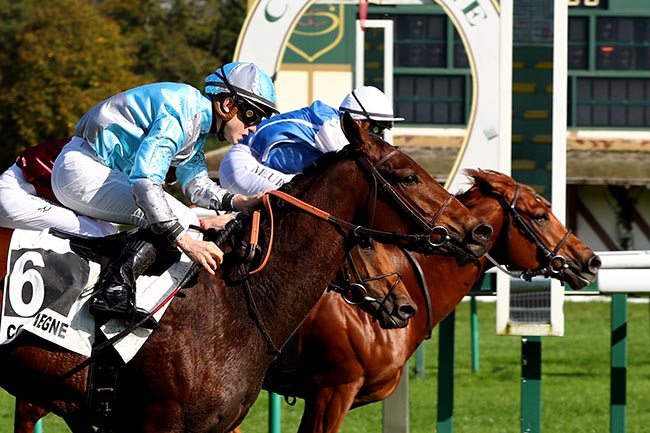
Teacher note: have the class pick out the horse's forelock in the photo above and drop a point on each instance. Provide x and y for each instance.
(491, 182)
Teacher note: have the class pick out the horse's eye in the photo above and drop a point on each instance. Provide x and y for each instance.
(543, 217)
(410, 179)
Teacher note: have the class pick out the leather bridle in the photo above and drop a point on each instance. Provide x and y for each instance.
(408, 208)
(424, 239)
(353, 287)
(553, 264)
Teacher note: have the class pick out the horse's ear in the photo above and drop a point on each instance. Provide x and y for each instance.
(353, 131)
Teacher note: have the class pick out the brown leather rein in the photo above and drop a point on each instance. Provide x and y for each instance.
(424, 239)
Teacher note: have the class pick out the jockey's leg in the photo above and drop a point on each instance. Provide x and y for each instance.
(115, 293)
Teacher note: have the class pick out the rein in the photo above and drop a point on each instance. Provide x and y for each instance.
(424, 287)
(360, 231)
(555, 263)
(357, 230)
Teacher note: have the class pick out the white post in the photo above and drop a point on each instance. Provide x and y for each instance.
(558, 160)
(505, 144)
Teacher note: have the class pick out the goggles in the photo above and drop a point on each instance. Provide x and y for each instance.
(248, 113)
(378, 128)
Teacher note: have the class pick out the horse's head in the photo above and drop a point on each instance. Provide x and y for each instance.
(368, 281)
(537, 242)
(405, 200)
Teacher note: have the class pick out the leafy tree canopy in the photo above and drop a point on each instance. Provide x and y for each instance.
(57, 62)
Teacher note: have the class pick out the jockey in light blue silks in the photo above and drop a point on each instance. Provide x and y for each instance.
(285, 144)
(114, 168)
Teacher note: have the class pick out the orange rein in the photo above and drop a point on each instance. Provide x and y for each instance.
(267, 205)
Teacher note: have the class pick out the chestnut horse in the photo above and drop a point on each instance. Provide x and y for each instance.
(203, 369)
(346, 360)
(361, 281)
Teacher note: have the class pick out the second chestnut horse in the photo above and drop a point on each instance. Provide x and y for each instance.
(347, 360)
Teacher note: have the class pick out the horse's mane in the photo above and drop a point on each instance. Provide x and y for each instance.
(303, 180)
(487, 183)
(495, 184)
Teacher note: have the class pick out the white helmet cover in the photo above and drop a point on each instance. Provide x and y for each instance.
(368, 102)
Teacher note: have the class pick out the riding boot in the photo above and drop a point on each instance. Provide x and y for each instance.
(115, 294)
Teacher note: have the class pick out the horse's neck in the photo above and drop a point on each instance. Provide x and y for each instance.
(307, 252)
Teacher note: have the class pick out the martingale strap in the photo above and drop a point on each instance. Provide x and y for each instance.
(255, 230)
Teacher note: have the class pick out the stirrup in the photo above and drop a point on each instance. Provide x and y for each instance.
(131, 314)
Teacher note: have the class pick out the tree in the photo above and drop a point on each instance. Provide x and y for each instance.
(66, 59)
(179, 40)
(58, 62)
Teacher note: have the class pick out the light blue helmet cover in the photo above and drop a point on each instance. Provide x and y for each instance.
(247, 80)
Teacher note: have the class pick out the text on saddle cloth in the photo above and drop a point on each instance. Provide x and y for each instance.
(47, 288)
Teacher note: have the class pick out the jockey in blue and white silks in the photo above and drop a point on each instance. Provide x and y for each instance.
(144, 131)
(114, 167)
(282, 146)
(285, 144)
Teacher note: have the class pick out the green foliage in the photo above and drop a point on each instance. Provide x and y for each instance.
(179, 40)
(57, 62)
(57, 74)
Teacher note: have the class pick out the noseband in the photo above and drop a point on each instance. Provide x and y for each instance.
(553, 265)
(355, 292)
(408, 208)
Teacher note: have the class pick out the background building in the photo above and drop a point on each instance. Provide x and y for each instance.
(608, 100)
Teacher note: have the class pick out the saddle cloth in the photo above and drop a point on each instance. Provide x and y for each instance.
(47, 288)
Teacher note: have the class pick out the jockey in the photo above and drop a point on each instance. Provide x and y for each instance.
(27, 201)
(287, 143)
(114, 168)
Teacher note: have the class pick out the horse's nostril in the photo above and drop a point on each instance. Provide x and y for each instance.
(407, 311)
(594, 264)
(482, 232)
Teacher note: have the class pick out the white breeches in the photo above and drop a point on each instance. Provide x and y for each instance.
(21, 208)
(240, 172)
(83, 183)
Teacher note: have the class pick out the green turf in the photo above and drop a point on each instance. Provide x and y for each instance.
(575, 381)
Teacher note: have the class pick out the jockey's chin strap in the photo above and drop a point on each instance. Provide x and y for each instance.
(555, 263)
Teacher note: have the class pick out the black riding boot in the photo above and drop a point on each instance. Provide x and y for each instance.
(115, 295)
